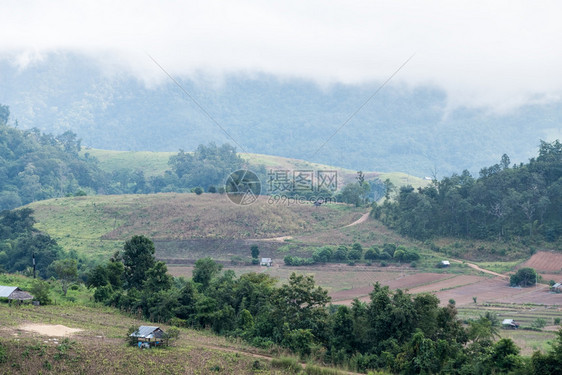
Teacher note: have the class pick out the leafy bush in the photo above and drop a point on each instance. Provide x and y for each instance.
(524, 277)
(322, 255)
(3, 355)
(298, 261)
(286, 363)
(372, 253)
(538, 323)
(130, 339)
(40, 290)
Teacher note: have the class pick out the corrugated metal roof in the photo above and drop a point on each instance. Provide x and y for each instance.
(507, 321)
(5, 291)
(145, 332)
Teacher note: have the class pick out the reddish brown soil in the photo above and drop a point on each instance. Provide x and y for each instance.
(407, 281)
(498, 290)
(557, 277)
(545, 261)
(453, 282)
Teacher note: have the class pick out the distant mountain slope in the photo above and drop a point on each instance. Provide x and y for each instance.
(399, 130)
(156, 163)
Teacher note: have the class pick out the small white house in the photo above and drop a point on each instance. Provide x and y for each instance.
(266, 262)
(445, 263)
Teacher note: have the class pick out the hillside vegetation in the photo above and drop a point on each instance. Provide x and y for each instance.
(156, 163)
(520, 201)
(100, 348)
(97, 225)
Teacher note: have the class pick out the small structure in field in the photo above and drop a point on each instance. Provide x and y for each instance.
(444, 263)
(556, 288)
(510, 323)
(14, 293)
(148, 336)
(266, 262)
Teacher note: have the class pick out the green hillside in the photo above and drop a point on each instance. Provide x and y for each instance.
(96, 226)
(156, 163)
(151, 163)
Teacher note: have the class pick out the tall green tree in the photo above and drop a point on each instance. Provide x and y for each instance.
(138, 258)
(205, 269)
(66, 271)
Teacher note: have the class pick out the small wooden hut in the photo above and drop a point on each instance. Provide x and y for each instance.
(14, 293)
(148, 336)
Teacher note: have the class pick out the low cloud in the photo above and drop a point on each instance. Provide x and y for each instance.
(498, 56)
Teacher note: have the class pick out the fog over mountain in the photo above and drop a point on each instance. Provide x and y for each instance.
(401, 128)
(467, 81)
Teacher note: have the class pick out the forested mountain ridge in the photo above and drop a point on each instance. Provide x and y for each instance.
(401, 129)
(36, 166)
(505, 201)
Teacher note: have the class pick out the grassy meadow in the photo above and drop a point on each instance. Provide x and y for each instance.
(156, 163)
(96, 226)
(100, 348)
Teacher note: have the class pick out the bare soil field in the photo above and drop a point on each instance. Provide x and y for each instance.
(544, 261)
(498, 290)
(57, 330)
(451, 282)
(557, 277)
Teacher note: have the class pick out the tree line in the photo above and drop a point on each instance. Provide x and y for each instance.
(36, 166)
(393, 331)
(342, 254)
(504, 202)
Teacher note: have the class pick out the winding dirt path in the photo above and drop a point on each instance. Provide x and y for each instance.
(362, 219)
(474, 266)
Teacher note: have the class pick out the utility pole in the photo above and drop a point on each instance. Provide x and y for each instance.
(34, 265)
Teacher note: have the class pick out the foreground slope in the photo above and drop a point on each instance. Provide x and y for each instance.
(34, 341)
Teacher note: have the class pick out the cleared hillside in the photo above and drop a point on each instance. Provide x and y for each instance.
(98, 225)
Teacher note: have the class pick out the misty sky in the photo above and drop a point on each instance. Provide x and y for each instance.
(498, 56)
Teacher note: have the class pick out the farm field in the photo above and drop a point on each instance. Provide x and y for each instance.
(545, 262)
(39, 334)
(525, 315)
(345, 283)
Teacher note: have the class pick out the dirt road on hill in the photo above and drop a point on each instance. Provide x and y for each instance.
(474, 266)
(362, 219)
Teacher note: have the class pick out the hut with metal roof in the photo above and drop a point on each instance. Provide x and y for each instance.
(148, 336)
(14, 293)
(510, 323)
